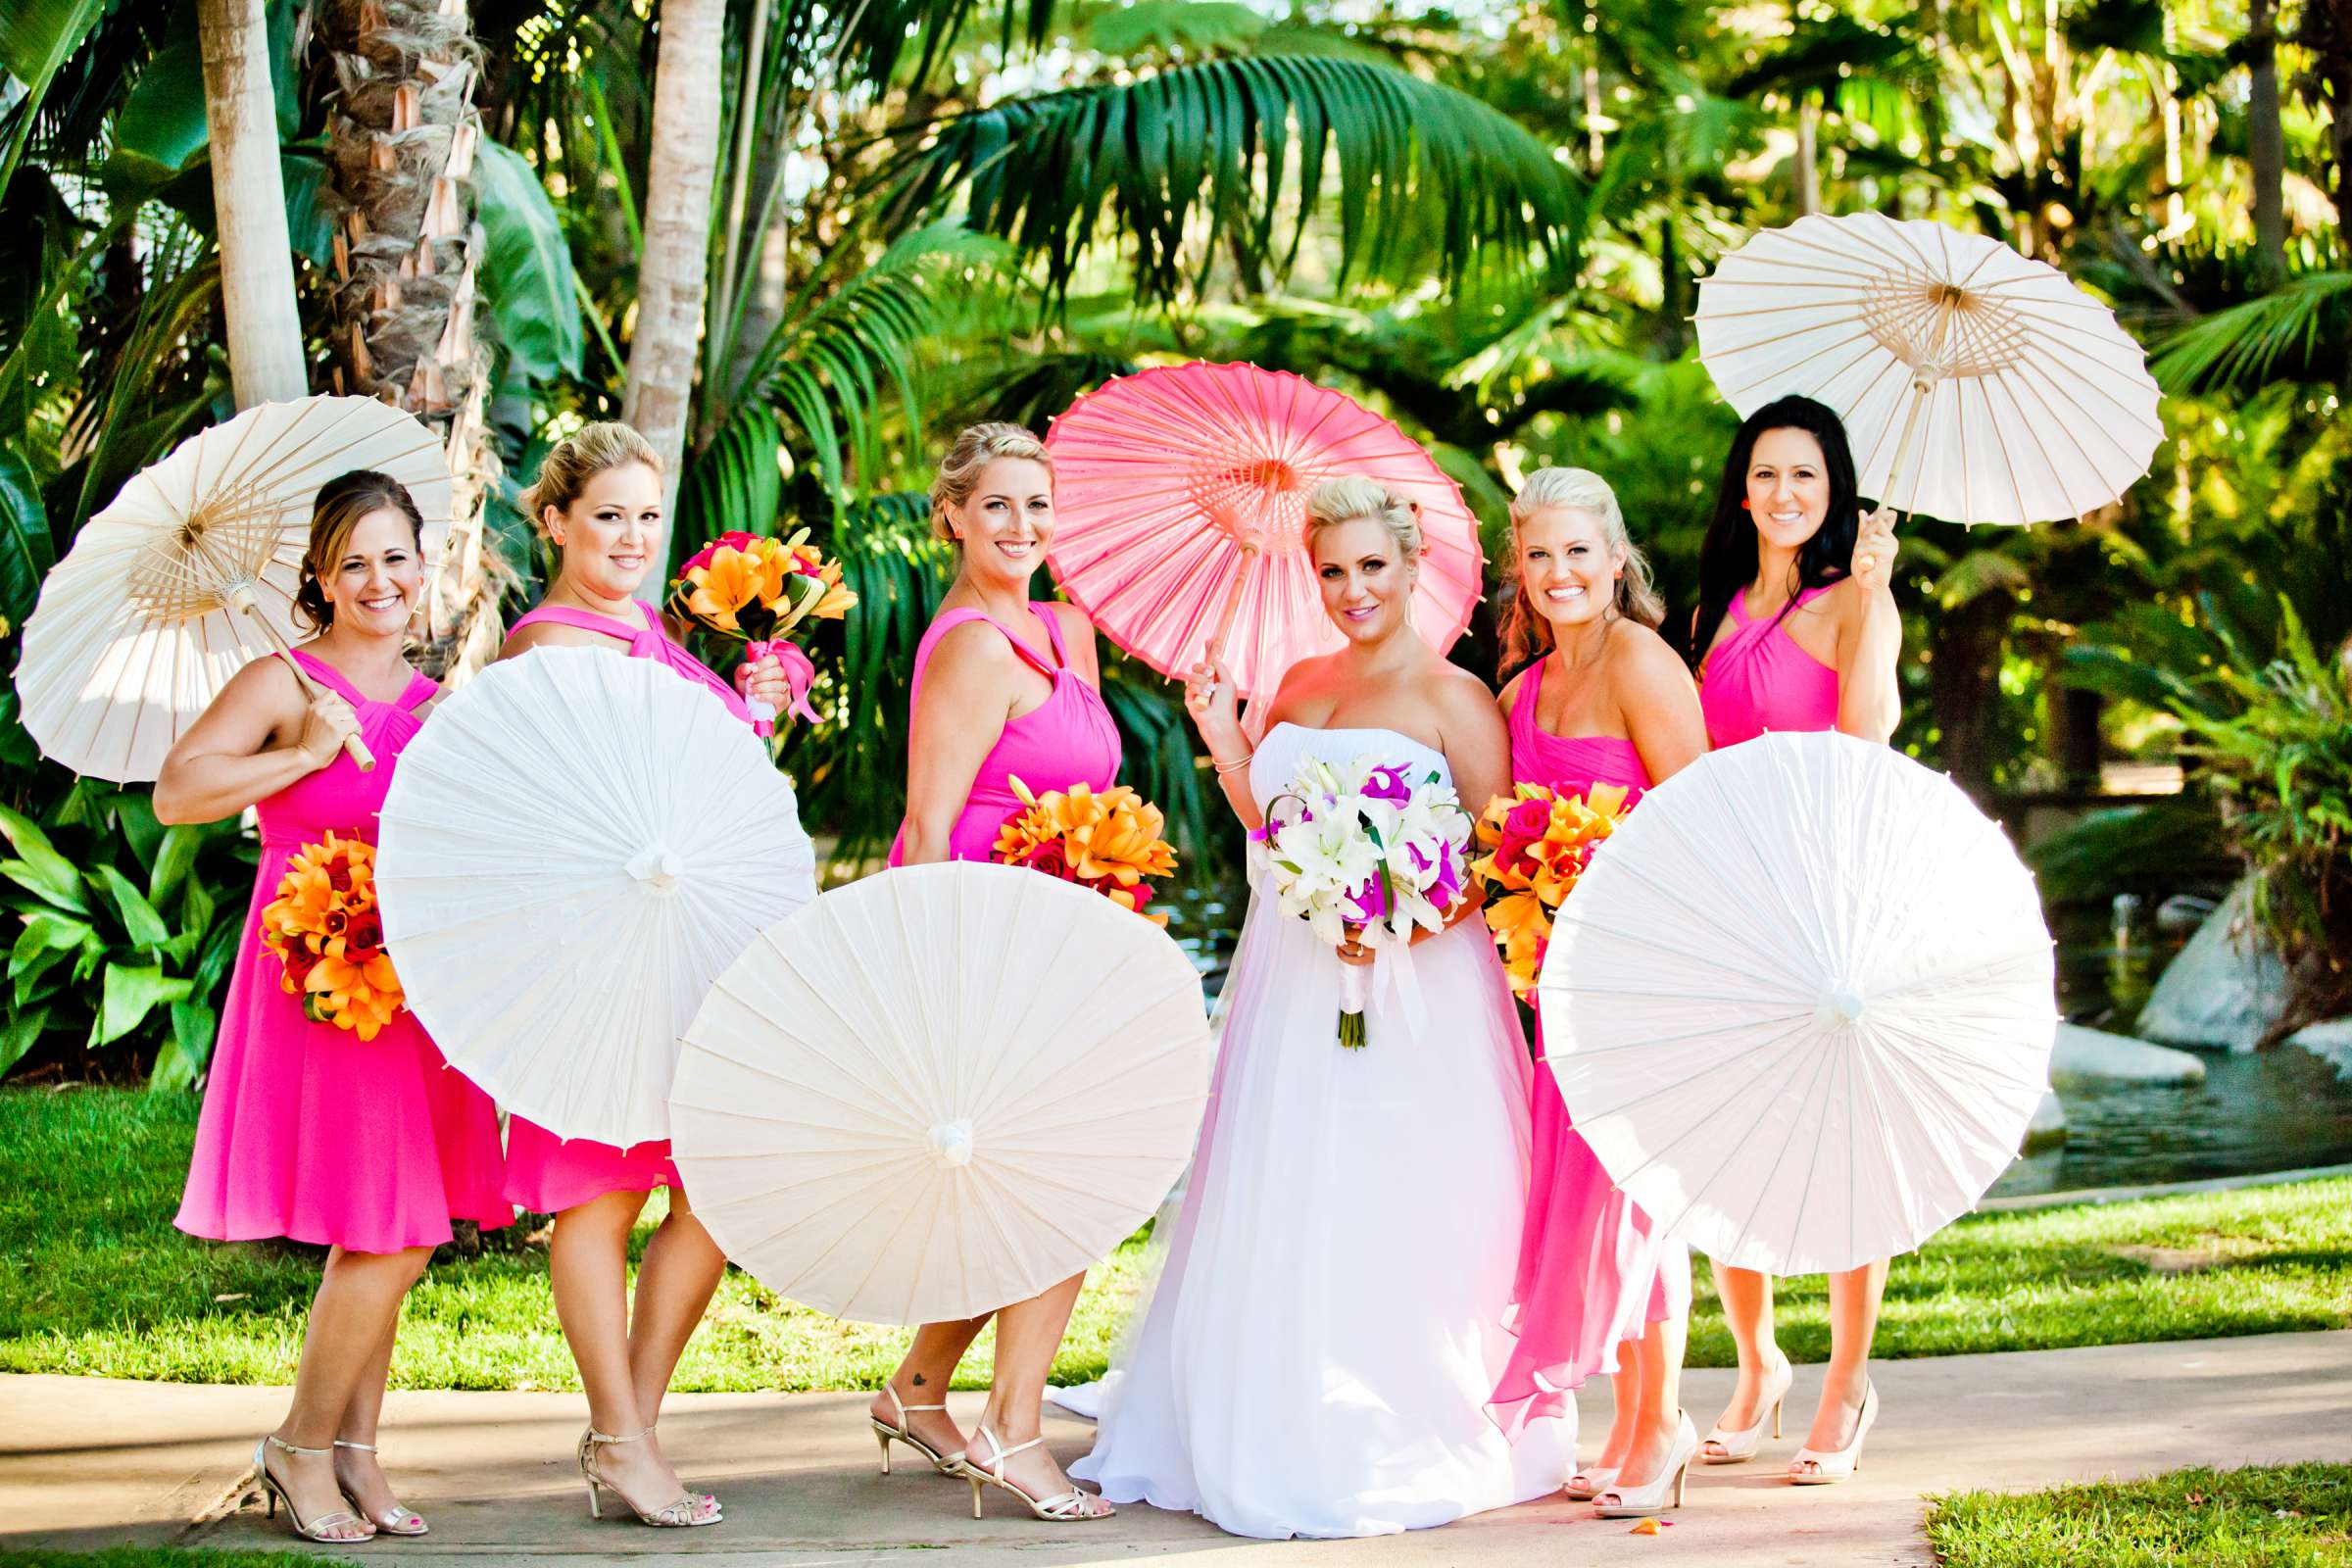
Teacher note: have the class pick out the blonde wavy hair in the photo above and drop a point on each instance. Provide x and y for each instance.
(1351, 497)
(579, 458)
(1526, 634)
(975, 449)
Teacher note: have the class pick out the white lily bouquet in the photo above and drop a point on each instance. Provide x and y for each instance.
(1366, 852)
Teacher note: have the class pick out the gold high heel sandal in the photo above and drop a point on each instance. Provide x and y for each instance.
(1065, 1507)
(307, 1529)
(946, 1464)
(393, 1521)
(689, 1510)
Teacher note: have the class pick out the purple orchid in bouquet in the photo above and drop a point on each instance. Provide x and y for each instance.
(1367, 853)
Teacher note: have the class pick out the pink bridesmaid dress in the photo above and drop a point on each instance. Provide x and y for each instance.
(1592, 1270)
(308, 1132)
(1070, 740)
(547, 1174)
(1758, 679)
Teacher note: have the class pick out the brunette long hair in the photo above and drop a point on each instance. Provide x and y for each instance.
(1728, 561)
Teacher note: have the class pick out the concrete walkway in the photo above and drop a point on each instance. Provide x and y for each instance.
(90, 1462)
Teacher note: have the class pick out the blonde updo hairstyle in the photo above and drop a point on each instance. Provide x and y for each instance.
(1351, 496)
(974, 450)
(343, 502)
(1526, 634)
(579, 458)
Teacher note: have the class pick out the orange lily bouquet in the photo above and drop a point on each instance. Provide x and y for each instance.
(324, 927)
(755, 590)
(1107, 840)
(1536, 844)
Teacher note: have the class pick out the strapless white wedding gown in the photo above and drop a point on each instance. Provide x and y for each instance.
(1327, 1325)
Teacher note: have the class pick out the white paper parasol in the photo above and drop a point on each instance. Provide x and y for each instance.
(1801, 1004)
(1976, 384)
(575, 847)
(941, 1090)
(192, 571)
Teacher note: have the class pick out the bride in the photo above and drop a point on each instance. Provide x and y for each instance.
(1326, 1327)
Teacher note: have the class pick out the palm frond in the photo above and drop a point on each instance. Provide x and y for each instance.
(2299, 331)
(1214, 158)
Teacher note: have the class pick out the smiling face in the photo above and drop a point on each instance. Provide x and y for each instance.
(373, 582)
(611, 532)
(1567, 568)
(1364, 578)
(1007, 522)
(1787, 487)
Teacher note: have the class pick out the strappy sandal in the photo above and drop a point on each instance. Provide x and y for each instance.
(688, 1510)
(393, 1521)
(307, 1529)
(946, 1464)
(1068, 1507)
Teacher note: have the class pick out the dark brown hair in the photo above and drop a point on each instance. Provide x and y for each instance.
(342, 502)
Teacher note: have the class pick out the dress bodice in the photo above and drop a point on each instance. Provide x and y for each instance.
(1275, 765)
(339, 797)
(1758, 678)
(1569, 764)
(651, 640)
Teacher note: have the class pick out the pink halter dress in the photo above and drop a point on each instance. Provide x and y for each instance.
(1070, 740)
(1758, 679)
(547, 1174)
(1592, 1272)
(308, 1132)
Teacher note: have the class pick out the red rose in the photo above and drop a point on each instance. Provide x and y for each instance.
(1051, 859)
(365, 931)
(300, 961)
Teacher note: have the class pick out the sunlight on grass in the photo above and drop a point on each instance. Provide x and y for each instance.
(2289, 1516)
(90, 1179)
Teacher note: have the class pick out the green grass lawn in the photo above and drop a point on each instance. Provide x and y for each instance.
(90, 1179)
(2293, 1516)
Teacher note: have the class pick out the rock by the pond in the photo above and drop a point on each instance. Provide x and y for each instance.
(2228, 988)
(2330, 1041)
(2183, 913)
(2080, 1052)
(2048, 1125)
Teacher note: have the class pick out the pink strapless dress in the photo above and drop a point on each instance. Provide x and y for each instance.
(307, 1132)
(547, 1174)
(1592, 1270)
(1758, 679)
(1070, 740)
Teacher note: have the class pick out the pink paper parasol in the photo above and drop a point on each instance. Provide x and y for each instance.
(1180, 500)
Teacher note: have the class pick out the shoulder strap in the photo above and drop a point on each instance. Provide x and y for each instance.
(1524, 721)
(422, 690)
(1043, 610)
(577, 620)
(318, 669)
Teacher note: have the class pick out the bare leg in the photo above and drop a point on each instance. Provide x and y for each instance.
(1657, 1363)
(1854, 1297)
(681, 1271)
(587, 1265)
(352, 1318)
(358, 1471)
(1747, 1312)
(1028, 1337)
(922, 1379)
(1625, 1390)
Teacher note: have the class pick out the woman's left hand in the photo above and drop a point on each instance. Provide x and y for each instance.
(1875, 549)
(764, 681)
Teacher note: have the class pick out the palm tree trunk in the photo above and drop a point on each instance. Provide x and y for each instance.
(2266, 141)
(674, 272)
(1808, 153)
(249, 193)
(402, 143)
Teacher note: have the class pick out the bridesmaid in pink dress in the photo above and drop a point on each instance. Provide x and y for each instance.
(369, 1148)
(599, 498)
(1797, 629)
(1004, 688)
(1607, 703)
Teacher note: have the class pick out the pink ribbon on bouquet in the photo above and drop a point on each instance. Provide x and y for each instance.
(799, 675)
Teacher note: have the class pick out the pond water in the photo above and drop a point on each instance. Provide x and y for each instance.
(2280, 1110)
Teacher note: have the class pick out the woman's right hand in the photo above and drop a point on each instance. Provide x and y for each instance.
(327, 724)
(1208, 696)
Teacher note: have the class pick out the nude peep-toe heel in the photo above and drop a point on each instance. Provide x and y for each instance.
(1741, 1447)
(1831, 1468)
(393, 1521)
(307, 1529)
(688, 1510)
(1636, 1502)
(1589, 1483)
(1067, 1508)
(946, 1464)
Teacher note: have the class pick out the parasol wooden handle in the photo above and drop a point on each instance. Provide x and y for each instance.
(353, 747)
(1253, 547)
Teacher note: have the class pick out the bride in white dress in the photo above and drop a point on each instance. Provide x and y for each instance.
(1327, 1324)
